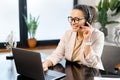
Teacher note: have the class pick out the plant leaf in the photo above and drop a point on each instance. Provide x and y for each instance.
(32, 24)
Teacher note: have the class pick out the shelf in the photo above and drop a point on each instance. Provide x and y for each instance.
(36, 48)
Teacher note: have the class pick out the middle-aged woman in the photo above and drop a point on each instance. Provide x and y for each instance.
(83, 44)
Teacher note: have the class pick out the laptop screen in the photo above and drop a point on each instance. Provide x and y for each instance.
(28, 63)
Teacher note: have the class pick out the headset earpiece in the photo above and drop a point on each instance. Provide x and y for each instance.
(89, 20)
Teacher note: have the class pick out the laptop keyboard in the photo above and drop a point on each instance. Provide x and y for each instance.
(53, 75)
(49, 77)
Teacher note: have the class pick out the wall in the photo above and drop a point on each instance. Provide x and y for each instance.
(90, 2)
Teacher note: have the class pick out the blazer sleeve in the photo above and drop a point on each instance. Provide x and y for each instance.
(59, 53)
(93, 59)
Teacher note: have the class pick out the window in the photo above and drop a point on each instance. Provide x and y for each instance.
(52, 22)
(52, 17)
(9, 19)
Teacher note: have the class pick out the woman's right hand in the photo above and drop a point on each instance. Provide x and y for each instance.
(46, 64)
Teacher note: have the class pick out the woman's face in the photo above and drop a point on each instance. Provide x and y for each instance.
(77, 20)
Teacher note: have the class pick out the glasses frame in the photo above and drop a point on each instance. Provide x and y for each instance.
(75, 19)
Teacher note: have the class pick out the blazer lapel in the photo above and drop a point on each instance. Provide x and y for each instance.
(71, 44)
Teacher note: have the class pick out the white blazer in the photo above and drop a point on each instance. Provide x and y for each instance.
(66, 46)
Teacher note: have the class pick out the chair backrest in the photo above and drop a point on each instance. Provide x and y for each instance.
(110, 57)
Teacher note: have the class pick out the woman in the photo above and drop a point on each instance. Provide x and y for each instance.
(83, 44)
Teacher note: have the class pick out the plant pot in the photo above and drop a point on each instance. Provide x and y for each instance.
(32, 42)
(105, 31)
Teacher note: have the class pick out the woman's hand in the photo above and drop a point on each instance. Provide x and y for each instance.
(87, 32)
(46, 64)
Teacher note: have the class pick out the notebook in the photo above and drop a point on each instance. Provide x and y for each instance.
(29, 64)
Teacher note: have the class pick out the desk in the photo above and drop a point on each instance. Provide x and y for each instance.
(73, 71)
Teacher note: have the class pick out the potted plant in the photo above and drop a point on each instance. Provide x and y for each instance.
(115, 7)
(32, 24)
(103, 7)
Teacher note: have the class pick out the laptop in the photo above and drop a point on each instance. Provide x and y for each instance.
(29, 64)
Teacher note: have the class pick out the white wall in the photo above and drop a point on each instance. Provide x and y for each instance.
(88, 2)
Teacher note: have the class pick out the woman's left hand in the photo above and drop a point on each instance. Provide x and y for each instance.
(87, 32)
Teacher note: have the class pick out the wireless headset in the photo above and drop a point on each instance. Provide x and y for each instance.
(89, 18)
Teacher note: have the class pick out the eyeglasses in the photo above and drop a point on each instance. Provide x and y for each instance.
(75, 19)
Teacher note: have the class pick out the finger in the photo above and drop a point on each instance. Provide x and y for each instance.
(45, 69)
(88, 24)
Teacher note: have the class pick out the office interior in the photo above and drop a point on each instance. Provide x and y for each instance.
(52, 24)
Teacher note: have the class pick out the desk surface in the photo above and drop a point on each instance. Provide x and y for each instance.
(73, 70)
